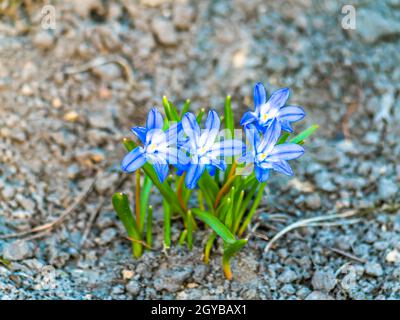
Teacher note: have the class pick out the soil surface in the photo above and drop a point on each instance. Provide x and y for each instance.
(68, 96)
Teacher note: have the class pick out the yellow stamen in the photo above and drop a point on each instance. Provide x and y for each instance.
(151, 147)
(264, 117)
(262, 156)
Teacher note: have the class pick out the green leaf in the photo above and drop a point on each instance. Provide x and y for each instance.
(228, 115)
(167, 108)
(216, 225)
(129, 144)
(189, 230)
(237, 207)
(208, 182)
(243, 208)
(174, 111)
(208, 247)
(304, 134)
(167, 224)
(285, 135)
(149, 226)
(185, 107)
(253, 208)
(229, 252)
(144, 198)
(182, 237)
(233, 248)
(230, 212)
(200, 115)
(122, 207)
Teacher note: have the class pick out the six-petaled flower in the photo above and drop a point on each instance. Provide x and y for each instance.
(265, 154)
(267, 110)
(159, 147)
(204, 149)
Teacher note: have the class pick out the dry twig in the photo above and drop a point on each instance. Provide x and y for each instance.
(101, 61)
(48, 226)
(308, 222)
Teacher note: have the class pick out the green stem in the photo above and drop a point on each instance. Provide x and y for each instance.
(190, 230)
(253, 209)
(149, 226)
(208, 247)
(182, 237)
(167, 224)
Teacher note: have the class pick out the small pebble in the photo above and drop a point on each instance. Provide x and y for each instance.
(374, 269)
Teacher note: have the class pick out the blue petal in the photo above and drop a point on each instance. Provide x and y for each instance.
(156, 136)
(140, 132)
(278, 98)
(252, 135)
(260, 95)
(248, 157)
(228, 148)
(286, 126)
(291, 113)
(262, 175)
(161, 170)
(211, 170)
(154, 120)
(193, 175)
(183, 162)
(285, 151)
(173, 132)
(133, 160)
(282, 167)
(212, 122)
(191, 128)
(270, 137)
(220, 164)
(180, 171)
(248, 117)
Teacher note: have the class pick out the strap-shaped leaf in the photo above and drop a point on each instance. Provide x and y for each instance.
(167, 109)
(216, 225)
(185, 108)
(229, 252)
(208, 182)
(233, 248)
(174, 111)
(228, 115)
(122, 207)
(253, 208)
(304, 134)
(200, 115)
(285, 135)
(167, 224)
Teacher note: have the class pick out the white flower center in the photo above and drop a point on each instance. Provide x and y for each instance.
(264, 117)
(202, 150)
(152, 147)
(262, 156)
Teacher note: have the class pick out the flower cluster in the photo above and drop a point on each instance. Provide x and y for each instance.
(229, 172)
(192, 150)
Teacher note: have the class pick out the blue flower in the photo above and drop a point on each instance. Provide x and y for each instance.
(266, 155)
(273, 108)
(158, 146)
(204, 149)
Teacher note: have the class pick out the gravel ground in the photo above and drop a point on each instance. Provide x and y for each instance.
(69, 95)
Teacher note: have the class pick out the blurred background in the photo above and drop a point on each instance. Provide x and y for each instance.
(76, 75)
